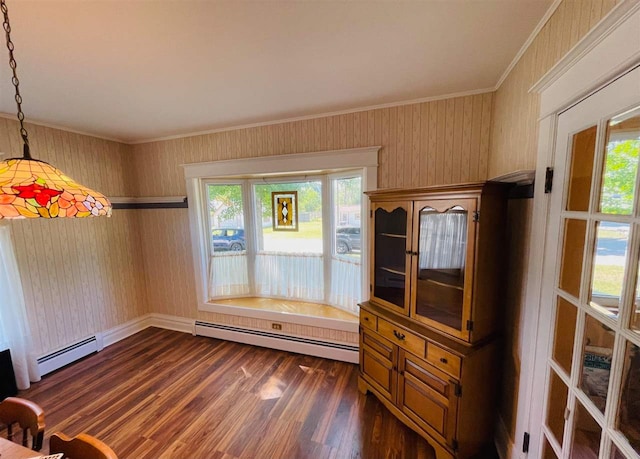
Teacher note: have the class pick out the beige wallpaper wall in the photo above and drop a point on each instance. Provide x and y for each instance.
(514, 141)
(514, 130)
(437, 142)
(80, 276)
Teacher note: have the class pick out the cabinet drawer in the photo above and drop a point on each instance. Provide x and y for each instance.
(444, 360)
(368, 320)
(407, 340)
(427, 396)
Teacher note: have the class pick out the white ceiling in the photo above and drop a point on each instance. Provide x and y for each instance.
(137, 70)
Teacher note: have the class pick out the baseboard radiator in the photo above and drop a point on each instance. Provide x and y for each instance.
(69, 354)
(280, 341)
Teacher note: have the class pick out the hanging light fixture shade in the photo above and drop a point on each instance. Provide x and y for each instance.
(30, 188)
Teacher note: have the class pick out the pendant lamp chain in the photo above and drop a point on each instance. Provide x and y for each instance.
(14, 79)
(30, 188)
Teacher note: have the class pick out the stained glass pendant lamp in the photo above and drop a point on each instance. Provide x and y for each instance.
(30, 188)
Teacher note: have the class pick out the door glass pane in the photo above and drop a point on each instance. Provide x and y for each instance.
(629, 408)
(635, 315)
(616, 454)
(547, 450)
(586, 435)
(441, 265)
(621, 164)
(597, 352)
(612, 242)
(580, 175)
(557, 405)
(390, 258)
(572, 256)
(565, 333)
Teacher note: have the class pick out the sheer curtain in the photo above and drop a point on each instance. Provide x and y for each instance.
(228, 275)
(443, 240)
(346, 284)
(296, 276)
(14, 328)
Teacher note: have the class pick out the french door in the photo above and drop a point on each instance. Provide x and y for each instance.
(591, 293)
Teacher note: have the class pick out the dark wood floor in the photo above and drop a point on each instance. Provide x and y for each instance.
(164, 394)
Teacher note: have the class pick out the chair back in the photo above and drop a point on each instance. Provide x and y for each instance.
(82, 446)
(28, 415)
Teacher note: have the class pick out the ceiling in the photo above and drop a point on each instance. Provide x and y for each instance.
(139, 70)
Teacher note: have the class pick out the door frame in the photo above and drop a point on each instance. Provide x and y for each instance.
(608, 51)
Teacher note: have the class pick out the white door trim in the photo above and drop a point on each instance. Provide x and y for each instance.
(609, 50)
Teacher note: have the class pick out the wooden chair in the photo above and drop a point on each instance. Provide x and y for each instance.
(30, 417)
(82, 446)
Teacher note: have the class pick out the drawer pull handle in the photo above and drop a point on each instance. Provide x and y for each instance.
(443, 360)
(367, 319)
(398, 335)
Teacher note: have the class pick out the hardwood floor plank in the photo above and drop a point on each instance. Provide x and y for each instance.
(165, 394)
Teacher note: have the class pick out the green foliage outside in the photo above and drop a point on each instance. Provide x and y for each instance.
(621, 167)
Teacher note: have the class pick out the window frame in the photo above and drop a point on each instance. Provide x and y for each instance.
(364, 159)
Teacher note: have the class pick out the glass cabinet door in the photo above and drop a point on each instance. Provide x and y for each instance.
(391, 260)
(443, 235)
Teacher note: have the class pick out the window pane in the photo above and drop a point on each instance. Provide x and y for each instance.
(565, 334)
(584, 148)
(596, 361)
(629, 408)
(308, 236)
(572, 256)
(348, 200)
(612, 242)
(621, 164)
(557, 405)
(226, 217)
(586, 435)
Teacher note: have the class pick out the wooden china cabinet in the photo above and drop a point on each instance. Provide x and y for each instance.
(429, 333)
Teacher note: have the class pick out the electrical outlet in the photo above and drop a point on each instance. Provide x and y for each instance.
(276, 326)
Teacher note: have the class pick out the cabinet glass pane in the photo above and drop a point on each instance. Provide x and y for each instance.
(597, 352)
(390, 258)
(586, 435)
(582, 153)
(610, 257)
(557, 405)
(442, 250)
(572, 256)
(629, 407)
(565, 334)
(621, 164)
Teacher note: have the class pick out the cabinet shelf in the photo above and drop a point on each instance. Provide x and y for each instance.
(444, 284)
(398, 236)
(393, 270)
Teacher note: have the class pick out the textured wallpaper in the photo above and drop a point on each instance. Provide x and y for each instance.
(514, 143)
(438, 142)
(80, 276)
(514, 133)
(423, 144)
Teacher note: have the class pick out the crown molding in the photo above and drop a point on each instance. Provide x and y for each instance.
(552, 9)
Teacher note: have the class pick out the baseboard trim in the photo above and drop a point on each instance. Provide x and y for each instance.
(328, 350)
(174, 323)
(122, 331)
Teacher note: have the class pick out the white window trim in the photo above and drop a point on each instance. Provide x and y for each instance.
(364, 159)
(607, 51)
